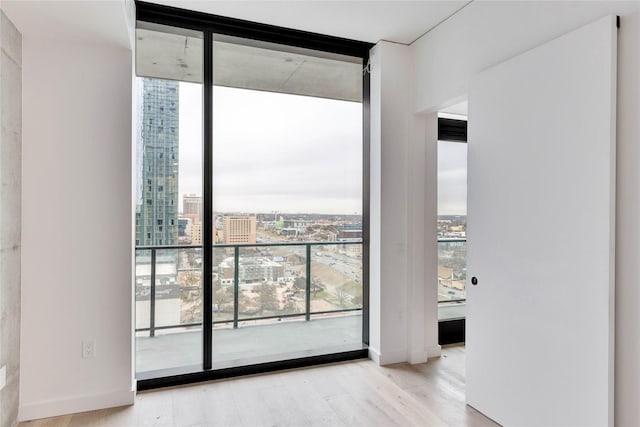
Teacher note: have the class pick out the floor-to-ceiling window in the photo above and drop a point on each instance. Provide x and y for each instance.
(452, 226)
(251, 220)
(168, 271)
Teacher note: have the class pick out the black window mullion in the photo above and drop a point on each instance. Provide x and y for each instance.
(366, 152)
(207, 215)
(168, 15)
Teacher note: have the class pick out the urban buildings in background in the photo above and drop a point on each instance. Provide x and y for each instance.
(190, 220)
(251, 269)
(196, 234)
(192, 208)
(234, 228)
(191, 205)
(238, 229)
(452, 257)
(452, 227)
(157, 208)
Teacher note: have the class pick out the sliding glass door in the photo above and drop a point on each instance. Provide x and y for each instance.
(251, 219)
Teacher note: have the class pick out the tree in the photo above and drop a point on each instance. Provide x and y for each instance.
(300, 283)
(317, 286)
(191, 303)
(223, 295)
(268, 298)
(245, 303)
(341, 297)
(191, 279)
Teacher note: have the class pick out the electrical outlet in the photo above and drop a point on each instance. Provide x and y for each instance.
(88, 349)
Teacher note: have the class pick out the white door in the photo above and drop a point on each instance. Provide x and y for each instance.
(541, 186)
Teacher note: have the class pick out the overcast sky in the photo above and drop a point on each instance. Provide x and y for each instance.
(274, 152)
(290, 153)
(452, 178)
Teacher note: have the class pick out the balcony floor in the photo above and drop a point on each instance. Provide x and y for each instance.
(249, 344)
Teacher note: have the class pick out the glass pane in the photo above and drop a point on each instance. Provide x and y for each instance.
(272, 322)
(223, 288)
(452, 276)
(336, 277)
(271, 281)
(336, 295)
(271, 289)
(287, 138)
(452, 229)
(168, 202)
(287, 168)
(178, 287)
(143, 291)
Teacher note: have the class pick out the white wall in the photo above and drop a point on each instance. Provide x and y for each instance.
(77, 226)
(388, 217)
(422, 233)
(486, 33)
(627, 364)
(401, 161)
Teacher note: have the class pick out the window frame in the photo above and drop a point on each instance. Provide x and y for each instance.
(452, 331)
(213, 24)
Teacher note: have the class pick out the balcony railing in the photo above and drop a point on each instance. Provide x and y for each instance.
(250, 268)
(452, 270)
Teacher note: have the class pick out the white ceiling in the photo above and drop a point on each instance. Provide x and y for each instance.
(99, 21)
(371, 21)
(460, 109)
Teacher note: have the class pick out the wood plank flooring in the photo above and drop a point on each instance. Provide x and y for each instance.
(355, 393)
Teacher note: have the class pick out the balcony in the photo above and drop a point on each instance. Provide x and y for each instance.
(271, 301)
(452, 276)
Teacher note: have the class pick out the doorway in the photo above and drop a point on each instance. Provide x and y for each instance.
(452, 223)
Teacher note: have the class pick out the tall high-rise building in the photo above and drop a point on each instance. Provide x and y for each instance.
(191, 204)
(192, 208)
(239, 228)
(157, 210)
(196, 234)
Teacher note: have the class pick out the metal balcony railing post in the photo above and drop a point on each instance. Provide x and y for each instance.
(236, 286)
(307, 302)
(152, 296)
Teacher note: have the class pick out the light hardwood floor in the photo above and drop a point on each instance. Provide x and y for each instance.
(355, 393)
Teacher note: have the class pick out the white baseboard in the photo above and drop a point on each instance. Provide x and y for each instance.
(422, 356)
(434, 351)
(418, 357)
(73, 405)
(388, 357)
(374, 355)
